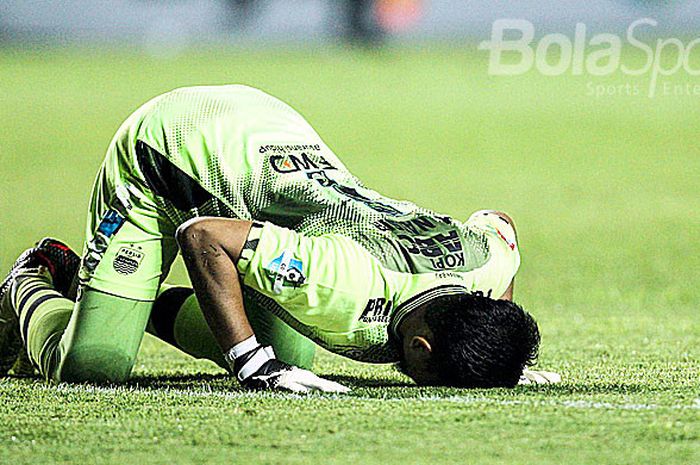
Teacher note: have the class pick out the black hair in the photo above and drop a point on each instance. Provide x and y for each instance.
(479, 342)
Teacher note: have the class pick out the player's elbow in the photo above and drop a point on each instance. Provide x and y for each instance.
(196, 232)
(212, 234)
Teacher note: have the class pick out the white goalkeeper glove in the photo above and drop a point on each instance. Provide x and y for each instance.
(539, 377)
(256, 367)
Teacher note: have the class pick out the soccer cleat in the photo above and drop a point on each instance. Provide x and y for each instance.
(61, 261)
(10, 338)
(539, 377)
(62, 264)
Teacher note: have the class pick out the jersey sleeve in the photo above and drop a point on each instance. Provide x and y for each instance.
(496, 274)
(321, 286)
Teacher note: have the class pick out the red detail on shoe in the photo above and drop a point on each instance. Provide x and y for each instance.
(65, 248)
(47, 261)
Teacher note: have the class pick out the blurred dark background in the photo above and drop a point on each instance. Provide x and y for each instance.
(161, 26)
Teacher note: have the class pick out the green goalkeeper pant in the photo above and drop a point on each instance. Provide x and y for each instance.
(97, 338)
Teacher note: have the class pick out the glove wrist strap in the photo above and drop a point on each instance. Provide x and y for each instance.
(241, 348)
(246, 357)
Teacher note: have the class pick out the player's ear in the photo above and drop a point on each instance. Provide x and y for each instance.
(420, 344)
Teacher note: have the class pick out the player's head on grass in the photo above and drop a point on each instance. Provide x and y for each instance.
(468, 340)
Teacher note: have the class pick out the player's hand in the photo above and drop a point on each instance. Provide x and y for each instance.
(258, 368)
(539, 377)
(277, 375)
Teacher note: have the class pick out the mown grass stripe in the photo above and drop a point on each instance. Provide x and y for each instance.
(466, 400)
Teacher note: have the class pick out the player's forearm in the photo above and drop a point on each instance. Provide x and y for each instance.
(211, 247)
(210, 260)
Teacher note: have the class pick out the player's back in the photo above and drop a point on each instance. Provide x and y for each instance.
(235, 151)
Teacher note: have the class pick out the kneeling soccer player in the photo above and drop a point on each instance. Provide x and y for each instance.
(368, 277)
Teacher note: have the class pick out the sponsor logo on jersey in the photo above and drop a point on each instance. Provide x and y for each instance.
(377, 311)
(285, 270)
(303, 162)
(286, 148)
(449, 261)
(444, 250)
(127, 260)
(448, 275)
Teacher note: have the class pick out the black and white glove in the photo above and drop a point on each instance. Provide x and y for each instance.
(256, 367)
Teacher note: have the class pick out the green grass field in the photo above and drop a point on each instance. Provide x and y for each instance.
(604, 192)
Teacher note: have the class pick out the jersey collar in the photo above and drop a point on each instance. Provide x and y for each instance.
(405, 308)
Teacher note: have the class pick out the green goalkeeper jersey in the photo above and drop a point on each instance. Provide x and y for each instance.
(254, 157)
(237, 152)
(333, 291)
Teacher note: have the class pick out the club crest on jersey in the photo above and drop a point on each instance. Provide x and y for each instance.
(127, 260)
(285, 270)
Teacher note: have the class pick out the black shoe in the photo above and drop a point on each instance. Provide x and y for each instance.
(10, 338)
(61, 262)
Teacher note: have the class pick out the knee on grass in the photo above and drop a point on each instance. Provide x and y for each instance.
(96, 365)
